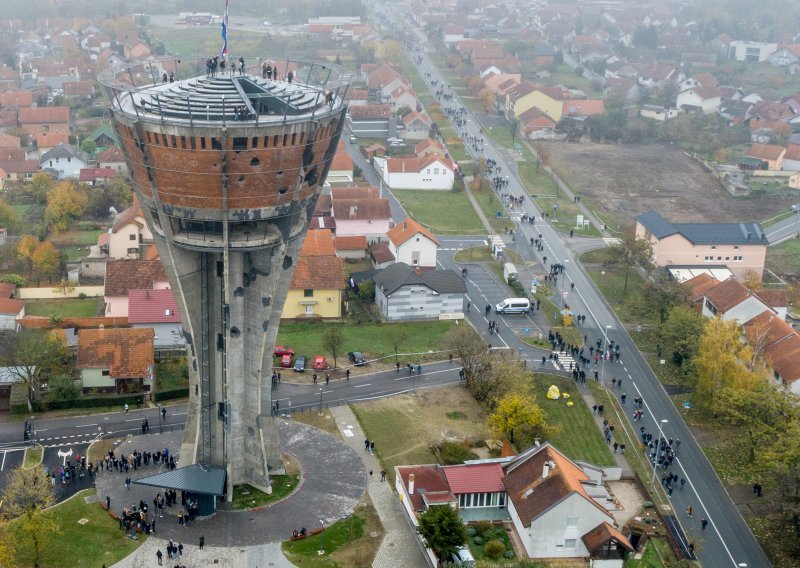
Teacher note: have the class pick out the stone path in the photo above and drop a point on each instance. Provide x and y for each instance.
(400, 546)
(477, 207)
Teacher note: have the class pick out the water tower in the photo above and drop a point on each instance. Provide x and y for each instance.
(228, 167)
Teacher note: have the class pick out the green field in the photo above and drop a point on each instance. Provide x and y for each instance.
(95, 543)
(372, 339)
(67, 308)
(785, 257)
(577, 435)
(248, 497)
(443, 212)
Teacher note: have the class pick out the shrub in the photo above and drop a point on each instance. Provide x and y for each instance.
(82, 296)
(471, 531)
(483, 527)
(494, 549)
(452, 453)
(477, 540)
(508, 554)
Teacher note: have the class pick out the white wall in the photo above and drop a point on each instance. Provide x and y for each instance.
(419, 243)
(49, 293)
(65, 169)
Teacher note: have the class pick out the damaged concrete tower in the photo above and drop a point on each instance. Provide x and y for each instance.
(228, 167)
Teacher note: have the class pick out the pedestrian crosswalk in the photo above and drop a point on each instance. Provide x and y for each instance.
(61, 441)
(565, 362)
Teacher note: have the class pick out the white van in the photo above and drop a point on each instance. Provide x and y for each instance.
(463, 557)
(513, 306)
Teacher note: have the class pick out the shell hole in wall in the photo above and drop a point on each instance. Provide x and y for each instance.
(241, 179)
(283, 190)
(255, 162)
(235, 332)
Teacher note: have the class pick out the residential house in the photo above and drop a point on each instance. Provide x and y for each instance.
(96, 176)
(700, 98)
(732, 301)
(125, 275)
(780, 345)
(535, 124)
(351, 247)
(380, 255)
(581, 109)
(416, 126)
(157, 310)
(367, 217)
(65, 160)
(9, 142)
(46, 141)
(116, 360)
(405, 293)
(341, 170)
(740, 247)
(763, 157)
(452, 34)
(791, 160)
(527, 95)
(79, 90)
(544, 54)
(559, 510)
(36, 120)
(785, 56)
(657, 75)
(371, 121)
(128, 234)
(403, 97)
(104, 137)
(17, 171)
(16, 98)
(429, 146)
(113, 158)
(659, 113)
(135, 49)
(432, 172)
(413, 244)
(626, 89)
(318, 283)
(11, 311)
(751, 51)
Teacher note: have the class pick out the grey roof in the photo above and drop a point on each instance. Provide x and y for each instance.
(543, 49)
(704, 233)
(205, 480)
(394, 277)
(66, 151)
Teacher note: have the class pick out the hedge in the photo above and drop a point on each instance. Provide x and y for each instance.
(171, 394)
(93, 402)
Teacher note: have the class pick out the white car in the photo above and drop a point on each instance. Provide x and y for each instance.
(463, 557)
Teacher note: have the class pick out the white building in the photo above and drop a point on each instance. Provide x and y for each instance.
(403, 293)
(751, 51)
(128, 234)
(705, 99)
(11, 311)
(66, 160)
(432, 172)
(413, 244)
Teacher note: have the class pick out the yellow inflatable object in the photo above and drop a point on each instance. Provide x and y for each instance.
(565, 395)
(570, 403)
(553, 393)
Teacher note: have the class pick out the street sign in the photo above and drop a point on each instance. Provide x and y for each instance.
(64, 455)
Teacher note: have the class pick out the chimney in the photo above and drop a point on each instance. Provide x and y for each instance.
(417, 271)
(410, 483)
(405, 225)
(545, 470)
(353, 209)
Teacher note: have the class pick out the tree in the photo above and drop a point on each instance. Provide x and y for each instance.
(397, 334)
(39, 186)
(722, 361)
(25, 249)
(35, 355)
(64, 287)
(513, 128)
(8, 218)
(366, 290)
(46, 260)
(659, 295)
(442, 530)
(64, 388)
(26, 496)
(516, 412)
(15, 279)
(681, 333)
(65, 204)
(89, 146)
(752, 281)
(631, 252)
(117, 194)
(472, 352)
(332, 341)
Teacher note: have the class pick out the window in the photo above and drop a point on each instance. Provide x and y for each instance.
(736, 247)
(106, 373)
(572, 522)
(132, 237)
(570, 543)
(428, 171)
(737, 259)
(436, 171)
(133, 251)
(719, 258)
(727, 258)
(713, 247)
(308, 293)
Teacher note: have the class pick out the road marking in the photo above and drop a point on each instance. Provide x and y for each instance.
(4, 461)
(179, 413)
(83, 425)
(134, 420)
(362, 386)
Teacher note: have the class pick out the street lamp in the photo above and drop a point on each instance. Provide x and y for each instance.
(320, 400)
(160, 421)
(658, 447)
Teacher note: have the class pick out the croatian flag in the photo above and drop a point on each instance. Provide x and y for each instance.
(225, 32)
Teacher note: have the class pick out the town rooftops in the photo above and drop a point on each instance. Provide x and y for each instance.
(766, 151)
(127, 274)
(65, 151)
(427, 479)
(780, 342)
(341, 159)
(7, 290)
(373, 112)
(318, 273)
(393, 277)
(361, 209)
(113, 154)
(704, 233)
(406, 229)
(351, 242)
(93, 174)
(128, 216)
(9, 307)
(699, 285)
(353, 192)
(475, 478)
(41, 115)
(319, 242)
(152, 306)
(603, 533)
(380, 253)
(727, 294)
(125, 352)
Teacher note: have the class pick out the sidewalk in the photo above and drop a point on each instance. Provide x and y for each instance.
(598, 420)
(399, 546)
(478, 210)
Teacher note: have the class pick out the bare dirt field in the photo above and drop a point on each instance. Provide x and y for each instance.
(622, 181)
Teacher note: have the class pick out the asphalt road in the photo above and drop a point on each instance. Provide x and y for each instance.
(728, 540)
(784, 230)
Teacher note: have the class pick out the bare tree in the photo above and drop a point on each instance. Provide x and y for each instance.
(397, 334)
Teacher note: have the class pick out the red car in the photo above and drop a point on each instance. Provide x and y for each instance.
(320, 363)
(280, 351)
(286, 360)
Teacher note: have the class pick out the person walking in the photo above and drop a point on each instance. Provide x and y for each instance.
(160, 556)
(703, 524)
(126, 408)
(689, 510)
(202, 542)
(372, 448)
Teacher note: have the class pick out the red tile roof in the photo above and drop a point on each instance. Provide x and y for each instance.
(403, 165)
(319, 242)
(152, 306)
(428, 478)
(727, 294)
(583, 107)
(319, 273)
(699, 285)
(341, 159)
(8, 141)
(406, 229)
(602, 534)
(41, 115)
(127, 274)
(93, 174)
(354, 242)
(362, 209)
(358, 112)
(113, 154)
(13, 154)
(11, 307)
(780, 344)
(380, 253)
(125, 352)
(765, 151)
(475, 478)
(128, 216)
(20, 167)
(7, 290)
(354, 192)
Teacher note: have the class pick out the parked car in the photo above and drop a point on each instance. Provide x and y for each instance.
(463, 557)
(357, 358)
(300, 364)
(280, 351)
(353, 139)
(286, 360)
(320, 363)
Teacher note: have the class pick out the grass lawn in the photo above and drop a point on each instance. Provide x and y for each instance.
(576, 435)
(33, 456)
(785, 257)
(372, 339)
(248, 497)
(443, 212)
(612, 286)
(598, 256)
(98, 542)
(85, 237)
(404, 427)
(494, 532)
(474, 254)
(490, 205)
(68, 308)
(172, 374)
(650, 558)
(352, 541)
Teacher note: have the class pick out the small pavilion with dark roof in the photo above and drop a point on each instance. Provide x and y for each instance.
(196, 482)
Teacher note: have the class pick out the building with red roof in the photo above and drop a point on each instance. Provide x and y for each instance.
(432, 172)
(11, 311)
(413, 244)
(158, 310)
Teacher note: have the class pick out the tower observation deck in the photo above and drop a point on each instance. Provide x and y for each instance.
(228, 167)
